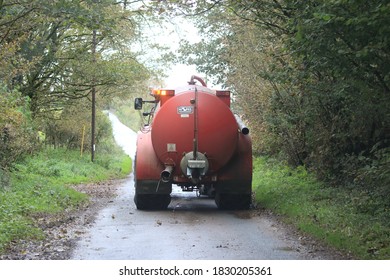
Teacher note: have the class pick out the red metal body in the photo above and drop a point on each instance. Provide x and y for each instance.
(196, 142)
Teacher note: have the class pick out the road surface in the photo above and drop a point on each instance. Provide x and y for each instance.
(191, 228)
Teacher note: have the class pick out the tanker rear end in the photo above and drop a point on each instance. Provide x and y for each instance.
(193, 141)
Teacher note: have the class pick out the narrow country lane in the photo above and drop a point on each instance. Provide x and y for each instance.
(191, 228)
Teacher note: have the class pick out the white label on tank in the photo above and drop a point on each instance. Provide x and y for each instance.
(185, 110)
(184, 115)
(171, 147)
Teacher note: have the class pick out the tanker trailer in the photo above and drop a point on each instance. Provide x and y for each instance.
(193, 141)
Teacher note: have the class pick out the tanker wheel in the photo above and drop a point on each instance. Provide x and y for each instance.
(152, 201)
(227, 201)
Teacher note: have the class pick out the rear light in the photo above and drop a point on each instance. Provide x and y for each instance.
(223, 93)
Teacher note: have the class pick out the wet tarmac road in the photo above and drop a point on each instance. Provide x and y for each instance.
(191, 228)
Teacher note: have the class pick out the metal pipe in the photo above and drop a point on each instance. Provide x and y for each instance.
(243, 128)
(195, 141)
(193, 78)
(166, 173)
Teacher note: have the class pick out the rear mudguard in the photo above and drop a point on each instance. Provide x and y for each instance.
(236, 176)
(148, 168)
(234, 187)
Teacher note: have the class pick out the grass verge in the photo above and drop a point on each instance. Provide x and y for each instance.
(350, 219)
(39, 185)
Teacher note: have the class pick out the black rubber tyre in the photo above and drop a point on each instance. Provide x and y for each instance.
(152, 201)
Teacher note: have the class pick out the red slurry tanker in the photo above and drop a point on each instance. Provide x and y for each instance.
(194, 141)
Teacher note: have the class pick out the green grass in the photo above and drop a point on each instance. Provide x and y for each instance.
(350, 219)
(39, 185)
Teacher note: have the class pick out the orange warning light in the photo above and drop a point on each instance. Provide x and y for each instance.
(163, 92)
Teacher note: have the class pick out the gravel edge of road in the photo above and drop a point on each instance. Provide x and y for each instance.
(311, 247)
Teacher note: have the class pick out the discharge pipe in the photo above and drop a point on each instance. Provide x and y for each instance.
(193, 78)
(243, 128)
(166, 173)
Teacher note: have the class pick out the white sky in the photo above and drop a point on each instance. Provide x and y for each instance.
(179, 29)
(169, 35)
(179, 75)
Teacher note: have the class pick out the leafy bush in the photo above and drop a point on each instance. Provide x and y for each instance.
(17, 135)
(310, 77)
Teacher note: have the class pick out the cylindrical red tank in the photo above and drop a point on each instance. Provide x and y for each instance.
(194, 142)
(174, 128)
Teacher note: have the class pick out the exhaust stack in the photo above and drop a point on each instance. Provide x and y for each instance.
(243, 128)
(166, 173)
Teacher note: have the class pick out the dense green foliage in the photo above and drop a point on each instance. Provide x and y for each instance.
(348, 219)
(52, 55)
(16, 137)
(312, 79)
